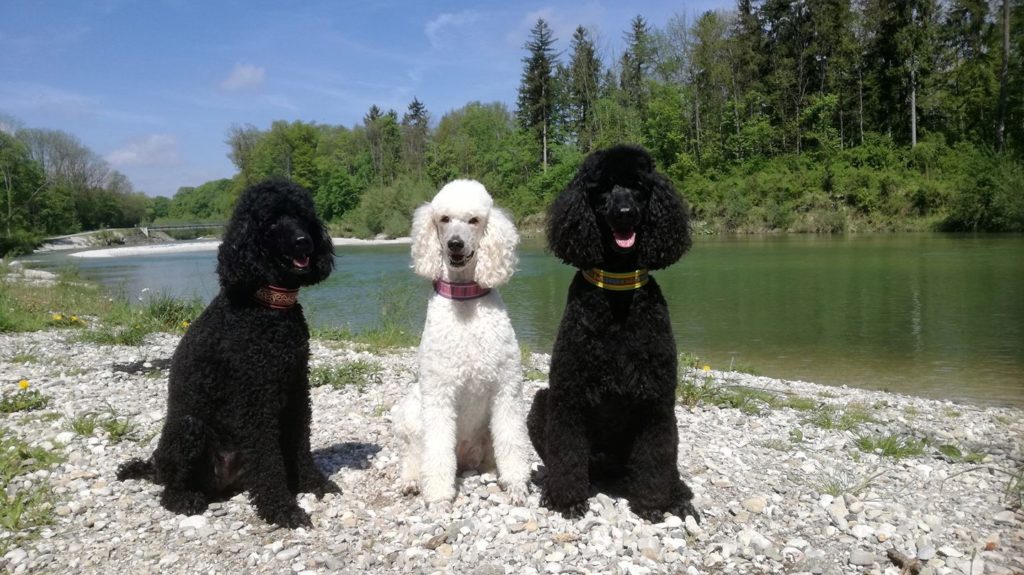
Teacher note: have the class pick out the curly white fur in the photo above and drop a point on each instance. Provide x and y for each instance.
(464, 412)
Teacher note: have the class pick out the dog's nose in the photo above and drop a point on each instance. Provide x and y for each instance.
(456, 244)
(303, 244)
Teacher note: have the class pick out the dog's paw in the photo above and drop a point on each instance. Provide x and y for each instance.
(184, 502)
(684, 508)
(410, 487)
(434, 493)
(517, 492)
(569, 510)
(291, 517)
(442, 506)
(323, 488)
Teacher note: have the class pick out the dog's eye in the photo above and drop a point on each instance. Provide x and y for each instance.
(445, 219)
(474, 221)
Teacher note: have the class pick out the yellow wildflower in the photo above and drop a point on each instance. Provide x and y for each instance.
(707, 368)
(57, 317)
(23, 384)
(74, 318)
(184, 323)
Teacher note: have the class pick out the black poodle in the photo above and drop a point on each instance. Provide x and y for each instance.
(609, 413)
(238, 407)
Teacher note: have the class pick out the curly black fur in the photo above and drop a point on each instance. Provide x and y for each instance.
(609, 413)
(238, 406)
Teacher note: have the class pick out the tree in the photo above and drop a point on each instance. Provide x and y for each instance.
(415, 132)
(636, 64)
(22, 180)
(1004, 75)
(242, 141)
(584, 77)
(536, 98)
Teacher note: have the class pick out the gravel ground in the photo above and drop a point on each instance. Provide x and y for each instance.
(779, 490)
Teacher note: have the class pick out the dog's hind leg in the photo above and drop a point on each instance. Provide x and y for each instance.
(510, 440)
(182, 464)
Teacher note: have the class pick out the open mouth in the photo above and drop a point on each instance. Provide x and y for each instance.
(459, 260)
(300, 263)
(624, 239)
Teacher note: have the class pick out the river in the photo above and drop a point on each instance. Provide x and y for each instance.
(935, 315)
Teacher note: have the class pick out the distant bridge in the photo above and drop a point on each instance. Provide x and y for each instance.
(182, 226)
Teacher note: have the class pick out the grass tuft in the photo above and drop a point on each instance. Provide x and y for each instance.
(358, 374)
(955, 455)
(23, 504)
(23, 400)
(828, 417)
(897, 446)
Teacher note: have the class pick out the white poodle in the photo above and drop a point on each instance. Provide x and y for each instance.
(465, 411)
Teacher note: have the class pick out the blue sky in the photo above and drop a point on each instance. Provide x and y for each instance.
(154, 85)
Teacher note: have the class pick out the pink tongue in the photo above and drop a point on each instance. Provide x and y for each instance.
(301, 262)
(624, 239)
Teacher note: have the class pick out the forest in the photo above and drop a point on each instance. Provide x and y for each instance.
(816, 116)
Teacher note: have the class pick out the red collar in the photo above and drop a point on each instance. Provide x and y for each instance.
(277, 297)
(460, 291)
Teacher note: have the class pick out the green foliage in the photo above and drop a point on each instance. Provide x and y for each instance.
(829, 417)
(358, 374)
(23, 400)
(125, 324)
(956, 455)
(23, 507)
(118, 428)
(897, 446)
(773, 119)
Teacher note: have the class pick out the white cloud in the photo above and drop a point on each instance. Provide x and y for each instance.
(436, 28)
(150, 150)
(244, 77)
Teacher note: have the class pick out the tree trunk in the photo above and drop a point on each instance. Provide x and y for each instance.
(696, 102)
(913, 107)
(1004, 73)
(860, 101)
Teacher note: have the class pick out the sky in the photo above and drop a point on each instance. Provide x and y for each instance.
(153, 86)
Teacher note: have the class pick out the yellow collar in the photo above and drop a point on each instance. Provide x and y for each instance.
(616, 281)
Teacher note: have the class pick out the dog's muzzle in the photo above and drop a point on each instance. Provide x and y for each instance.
(457, 260)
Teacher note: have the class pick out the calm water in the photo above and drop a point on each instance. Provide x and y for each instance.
(939, 316)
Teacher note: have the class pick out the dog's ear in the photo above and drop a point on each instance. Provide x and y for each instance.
(239, 258)
(323, 261)
(426, 247)
(666, 228)
(572, 230)
(497, 248)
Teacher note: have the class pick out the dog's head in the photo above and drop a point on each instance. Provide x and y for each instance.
(618, 211)
(274, 237)
(461, 235)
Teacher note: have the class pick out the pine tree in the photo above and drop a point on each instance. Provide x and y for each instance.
(636, 64)
(536, 99)
(584, 79)
(415, 131)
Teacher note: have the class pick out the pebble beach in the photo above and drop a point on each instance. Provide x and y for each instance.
(783, 486)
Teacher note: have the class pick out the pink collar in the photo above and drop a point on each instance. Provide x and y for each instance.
(277, 297)
(460, 291)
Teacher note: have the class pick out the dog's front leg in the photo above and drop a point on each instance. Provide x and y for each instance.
(303, 474)
(566, 456)
(438, 462)
(268, 483)
(653, 475)
(511, 443)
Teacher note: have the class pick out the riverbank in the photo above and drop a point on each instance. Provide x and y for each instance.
(789, 477)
